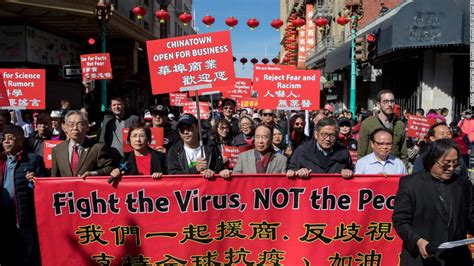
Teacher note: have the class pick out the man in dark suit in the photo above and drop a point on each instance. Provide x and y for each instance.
(434, 206)
(111, 133)
(80, 156)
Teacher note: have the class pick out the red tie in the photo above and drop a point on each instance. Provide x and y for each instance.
(74, 159)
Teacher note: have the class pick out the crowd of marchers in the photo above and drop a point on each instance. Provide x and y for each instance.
(298, 144)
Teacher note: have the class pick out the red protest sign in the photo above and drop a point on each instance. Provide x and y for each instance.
(242, 89)
(3, 93)
(232, 153)
(418, 126)
(190, 108)
(269, 215)
(26, 88)
(48, 148)
(178, 98)
(286, 88)
(156, 142)
(247, 102)
(96, 66)
(191, 62)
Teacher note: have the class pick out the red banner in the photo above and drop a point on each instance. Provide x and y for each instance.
(178, 98)
(247, 102)
(191, 62)
(242, 89)
(156, 142)
(286, 88)
(190, 108)
(3, 93)
(26, 88)
(96, 66)
(262, 219)
(418, 126)
(306, 37)
(48, 148)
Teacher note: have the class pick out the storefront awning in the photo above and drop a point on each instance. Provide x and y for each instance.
(412, 24)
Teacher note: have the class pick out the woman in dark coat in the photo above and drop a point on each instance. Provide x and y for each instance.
(142, 160)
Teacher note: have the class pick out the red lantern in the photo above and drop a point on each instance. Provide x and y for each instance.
(91, 41)
(265, 61)
(208, 20)
(321, 22)
(243, 60)
(253, 23)
(185, 18)
(235, 59)
(275, 60)
(342, 20)
(162, 15)
(299, 22)
(231, 22)
(254, 60)
(139, 12)
(277, 23)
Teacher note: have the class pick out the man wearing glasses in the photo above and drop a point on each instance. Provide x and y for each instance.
(323, 154)
(268, 117)
(228, 110)
(384, 119)
(79, 156)
(380, 161)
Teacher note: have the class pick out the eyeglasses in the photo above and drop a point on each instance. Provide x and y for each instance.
(224, 128)
(383, 143)
(447, 165)
(8, 138)
(78, 124)
(327, 135)
(388, 101)
(228, 108)
(267, 114)
(299, 124)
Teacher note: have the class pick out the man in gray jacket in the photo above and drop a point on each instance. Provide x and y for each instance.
(262, 159)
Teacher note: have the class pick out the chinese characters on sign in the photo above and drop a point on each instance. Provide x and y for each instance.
(286, 88)
(26, 88)
(200, 61)
(96, 66)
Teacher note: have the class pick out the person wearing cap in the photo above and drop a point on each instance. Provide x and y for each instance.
(256, 118)
(57, 132)
(172, 121)
(345, 137)
(35, 142)
(380, 161)
(187, 157)
(384, 119)
(268, 117)
(19, 168)
(111, 133)
(328, 109)
(228, 110)
(80, 156)
(170, 136)
(467, 124)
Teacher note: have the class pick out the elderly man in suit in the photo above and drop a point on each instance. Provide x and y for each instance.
(262, 159)
(80, 156)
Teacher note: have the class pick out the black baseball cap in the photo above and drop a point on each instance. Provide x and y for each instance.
(159, 109)
(187, 119)
(344, 122)
(228, 101)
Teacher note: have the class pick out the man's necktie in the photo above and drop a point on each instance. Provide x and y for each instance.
(74, 159)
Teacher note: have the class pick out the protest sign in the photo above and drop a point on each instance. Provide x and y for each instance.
(96, 66)
(199, 61)
(178, 98)
(286, 88)
(190, 108)
(232, 153)
(3, 93)
(268, 219)
(241, 89)
(156, 142)
(47, 150)
(418, 126)
(26, 88)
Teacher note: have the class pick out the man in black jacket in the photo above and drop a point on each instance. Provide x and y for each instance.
(323, 154)
(187, 157)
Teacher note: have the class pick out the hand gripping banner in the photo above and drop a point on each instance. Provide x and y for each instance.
(188, 220)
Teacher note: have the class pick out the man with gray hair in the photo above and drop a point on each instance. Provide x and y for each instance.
(80, 156)
(322, 154)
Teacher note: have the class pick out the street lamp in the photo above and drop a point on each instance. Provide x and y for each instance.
(103, 12)
(163, 26)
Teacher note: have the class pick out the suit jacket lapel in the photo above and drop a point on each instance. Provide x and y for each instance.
(251, 161)
(86, 147)
(63, 159)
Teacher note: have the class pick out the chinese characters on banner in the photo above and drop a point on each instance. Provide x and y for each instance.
(48, 148)
(26, 88)
(156, 139)
(268, 220)
(96, 66)
(286, 88)
(3, 93)
(199, 61)
(178, 98)
(306, 37)
(191, 108)
(418, 126)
